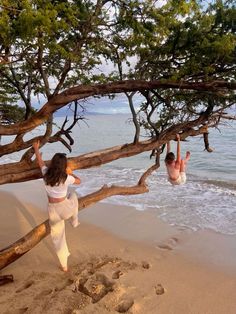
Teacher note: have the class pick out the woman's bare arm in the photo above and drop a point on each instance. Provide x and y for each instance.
(77, 179)
(178, 155)
(38, 154)
(168, 148)
(69, 171)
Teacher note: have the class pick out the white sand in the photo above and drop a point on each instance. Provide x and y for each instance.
(196, 269)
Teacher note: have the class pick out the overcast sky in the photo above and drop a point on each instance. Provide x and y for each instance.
(117, 105)
(105, 105)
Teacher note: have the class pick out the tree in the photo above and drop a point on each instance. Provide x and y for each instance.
(180, 56)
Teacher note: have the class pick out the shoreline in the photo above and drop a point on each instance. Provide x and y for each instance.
(195, 269)
(205, 245)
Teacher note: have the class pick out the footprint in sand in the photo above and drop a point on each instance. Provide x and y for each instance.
(165, 247)
(44, 293)
(170, 244)
(25, 286)
(22, 310)
(117, 274)
(159, 289)
(145, 265)
(124, 305)
(64, 284)
(95, 286)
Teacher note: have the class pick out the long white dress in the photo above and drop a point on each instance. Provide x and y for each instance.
(58, 213)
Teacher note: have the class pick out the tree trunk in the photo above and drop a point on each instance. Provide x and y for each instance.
(22, 246)
(23, 171)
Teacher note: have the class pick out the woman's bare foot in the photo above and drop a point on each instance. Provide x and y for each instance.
(65, 269)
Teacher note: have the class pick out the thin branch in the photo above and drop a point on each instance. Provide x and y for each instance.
(225, 116)
(148, 97)
(134, 116)
(41, 70)
(65, 71)
(43, 140)
(67, 131)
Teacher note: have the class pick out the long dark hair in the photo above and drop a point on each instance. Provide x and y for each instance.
(56, 173)
(170, 157)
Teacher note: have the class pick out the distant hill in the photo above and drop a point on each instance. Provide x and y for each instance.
(65, 112)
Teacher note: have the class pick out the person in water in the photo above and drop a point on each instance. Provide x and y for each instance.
(176, 167)
(61, 205)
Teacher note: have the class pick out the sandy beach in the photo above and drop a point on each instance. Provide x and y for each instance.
(122, 261)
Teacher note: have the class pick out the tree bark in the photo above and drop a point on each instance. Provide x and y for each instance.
(22, 246)
(84, 91)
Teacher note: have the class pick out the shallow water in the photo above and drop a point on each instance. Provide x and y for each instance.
(207, 200)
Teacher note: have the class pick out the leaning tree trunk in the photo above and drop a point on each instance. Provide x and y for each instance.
(23, 171)
(22, 246)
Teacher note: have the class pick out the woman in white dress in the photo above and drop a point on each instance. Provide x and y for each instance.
(61, 205)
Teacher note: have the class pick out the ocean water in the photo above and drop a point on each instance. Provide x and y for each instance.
(207, 200)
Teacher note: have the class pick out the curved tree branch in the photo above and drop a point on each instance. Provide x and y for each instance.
(134, 116)
(18, 144)
(84, 91)
(18, 172)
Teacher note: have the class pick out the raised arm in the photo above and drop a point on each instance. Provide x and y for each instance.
(168, 148)
(178, 156)
(38, 154)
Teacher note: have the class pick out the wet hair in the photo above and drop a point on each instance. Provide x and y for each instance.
(56, 173)
(170, 157)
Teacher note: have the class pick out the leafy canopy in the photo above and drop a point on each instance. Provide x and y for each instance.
(49, 46)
